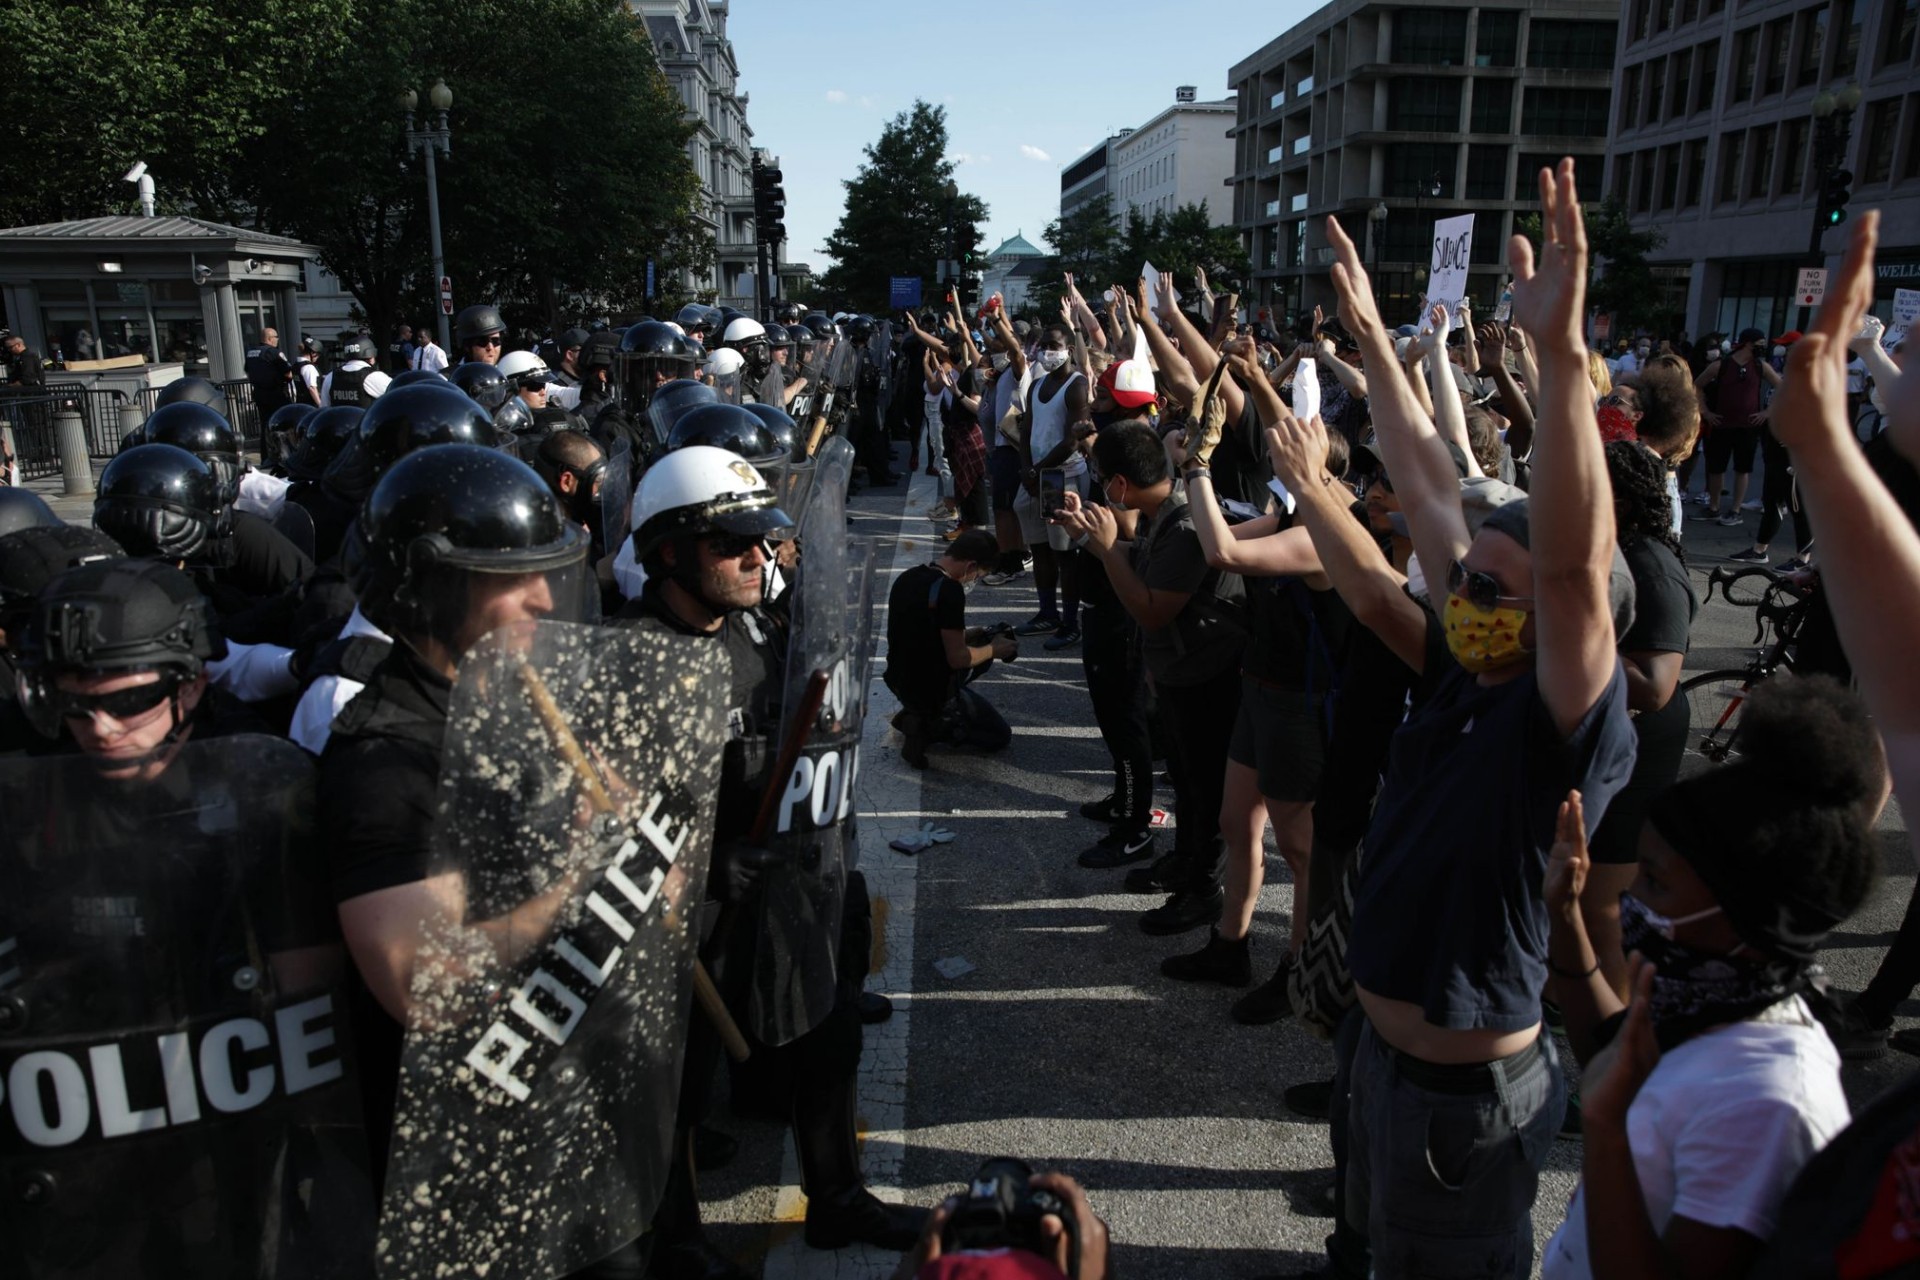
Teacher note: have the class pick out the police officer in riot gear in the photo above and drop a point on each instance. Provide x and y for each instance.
(651, 355)
(322, 437)
(356, 382)
(607, 422)
(696, 321)
(280, 434)
(30, 558)
(749, 337)
(701, 520)
(417, 416)
(483, 382)
(479, 333)
(575, 468)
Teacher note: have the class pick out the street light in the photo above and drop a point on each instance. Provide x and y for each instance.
(436, 138)
(1376, 232)
(950, 269)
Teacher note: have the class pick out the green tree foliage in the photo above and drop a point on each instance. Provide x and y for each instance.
(283, 118)
(1100, 253)
(1623, 285)
(895, 221)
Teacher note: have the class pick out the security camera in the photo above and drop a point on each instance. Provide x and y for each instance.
(202, 274)
(136, 173)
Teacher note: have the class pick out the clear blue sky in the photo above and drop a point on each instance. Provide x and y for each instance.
(1027, 89)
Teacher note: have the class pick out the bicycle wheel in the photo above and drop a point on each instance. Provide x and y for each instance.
(1715, 702)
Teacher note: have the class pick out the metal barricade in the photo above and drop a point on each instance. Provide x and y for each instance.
(30, 419)
(241, 414)
(99, 409)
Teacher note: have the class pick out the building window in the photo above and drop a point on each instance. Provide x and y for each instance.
(1433, 37)
(1424, 104)
(1630, 97)
(1668, 194)
(1643, 181)
(1486, 172)
(1693, 171)
(1580, 113)
(1682, 83)
(1498, 41)
(1846, 23)
(1526, 179)
(1876, 152)
(1423, 169)
(1760, 176)
(1746, 62)
(1492, 106)
(1656, 91)
(1779, 35)
(1708, 79)
(1637, 20)
(1689, 10)
(1554, 42)
(1733, 152)
(1793, 156)
(1903, 16)
(1813, 46)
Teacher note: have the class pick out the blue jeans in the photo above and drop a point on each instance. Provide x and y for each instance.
(1443, 1162)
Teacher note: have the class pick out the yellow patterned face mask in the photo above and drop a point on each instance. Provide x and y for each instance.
(1483, 640)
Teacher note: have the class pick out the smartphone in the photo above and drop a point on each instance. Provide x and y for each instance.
(1053, 490)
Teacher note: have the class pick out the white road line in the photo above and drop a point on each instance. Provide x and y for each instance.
(1056, 731)
(889, 806)
(963, 813)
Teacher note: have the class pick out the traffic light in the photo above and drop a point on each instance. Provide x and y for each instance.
(1834, 196)
(769, 204)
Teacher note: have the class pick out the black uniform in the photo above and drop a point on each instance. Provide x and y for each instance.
(272, 378)
(27, 370)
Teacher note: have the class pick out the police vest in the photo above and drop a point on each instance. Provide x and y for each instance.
(349, 388)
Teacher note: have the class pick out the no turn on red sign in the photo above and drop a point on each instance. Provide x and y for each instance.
(1811, 286)
(446, 295)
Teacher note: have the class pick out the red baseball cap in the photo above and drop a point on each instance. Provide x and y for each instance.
(1129, 382)
(1788, 338)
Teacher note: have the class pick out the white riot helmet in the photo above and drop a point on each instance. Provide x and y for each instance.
(375, 384)
(725, 361)
(701, 490)
(522, 368)
(743, 332)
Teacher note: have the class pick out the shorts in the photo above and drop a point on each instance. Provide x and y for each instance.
(1003, 473)
(1034, 528)
(1735, 443)
(1280, 734)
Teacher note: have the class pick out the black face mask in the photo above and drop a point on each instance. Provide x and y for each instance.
(1693, 989)
(1103, 420)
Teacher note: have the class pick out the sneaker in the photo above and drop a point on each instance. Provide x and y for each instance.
(1228, 963)
(1857, 1037)
(1752, 555)
(1185, 909)
(1039, 624)
(1117, 848)
(1158, 876)
(1697, 499)
(1731, 520)
(1753, 505)
(1798, 564)
(1065, 638)
(1311, 1101)
(1267, 1002)
(1001, 577)
(1101, 810)
(1706, 516)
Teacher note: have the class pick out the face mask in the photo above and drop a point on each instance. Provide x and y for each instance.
(1000, 360)
(1694, 989)
(1616, 424)
(1483, 640)
(1653, 921)
(1052, 359)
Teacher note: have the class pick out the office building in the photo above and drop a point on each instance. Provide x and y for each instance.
(1725, 123)
(1182, 156)
(1389, 116)
(1086, 179)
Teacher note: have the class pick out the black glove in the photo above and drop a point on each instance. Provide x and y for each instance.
(737, 868)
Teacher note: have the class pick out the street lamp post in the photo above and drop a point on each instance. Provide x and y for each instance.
(1833, 131)
(436, 138)
(949, 270)
(1376, 232)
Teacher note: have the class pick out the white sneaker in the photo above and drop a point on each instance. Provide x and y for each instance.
(1732, 520)
(1750, 506)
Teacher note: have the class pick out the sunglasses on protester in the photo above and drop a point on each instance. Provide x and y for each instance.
(121, 705)
(1480, 589)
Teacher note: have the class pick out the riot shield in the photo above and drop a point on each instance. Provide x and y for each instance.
(551, 992)
(296, 523)
(880, 350)
(730, 385)
(800, 901)
(616, 496)
(182, 1096)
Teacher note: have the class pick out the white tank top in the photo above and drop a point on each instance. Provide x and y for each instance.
(1049, 426)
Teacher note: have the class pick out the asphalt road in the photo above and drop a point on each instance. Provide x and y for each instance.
(1033, 1020)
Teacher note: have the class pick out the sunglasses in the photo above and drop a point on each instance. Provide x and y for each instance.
(1479, 589)
(1382, 479)
(121, 705)
(533, 384)
(486, 342)
(731, 546)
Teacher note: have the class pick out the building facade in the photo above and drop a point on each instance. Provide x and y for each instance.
(1011, 270)
(1181, 156)
(1717, 137)
(1389, 116)
(690, 42)
(1086, 179)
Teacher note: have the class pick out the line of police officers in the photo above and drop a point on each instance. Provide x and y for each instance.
(399, 525)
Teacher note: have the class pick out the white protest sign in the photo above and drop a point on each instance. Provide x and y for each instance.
(1152, 276)
(1306, 389)
(1906, 306)
(1452, 250)
(1811, 286)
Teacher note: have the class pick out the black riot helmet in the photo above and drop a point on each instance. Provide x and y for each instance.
(821, 324)
(196, 390)
(513, 419)
(31, 558)
(413, 417)
(651, 353)
(322, 436)
(860, 329)
(779, 424)
(480, 320)
(694, 316)
(412, 376)
(24, 509)
(282, 430)
(731, 427)
(728, 315)
(159, 502)
(484, 383)
(204, 433)
(789, 313)
(802, 339)
(778, 337)
(441, 514)
(600, 348)
(674, 400)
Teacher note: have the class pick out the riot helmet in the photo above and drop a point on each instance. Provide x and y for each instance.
(31, 558)
(779, 424)
(205, 434)
(651, 354)
(789, 313)
(779, 337)
(727, 315)
(694, 318)
(524, 370)
(476, 323)
(354, 347)
(734, 428)
(860, 329)
(725, 363)
(481, 381)
(512, 420)
(160, 502)
(321, 437)
(820, 323)
(24, 509)
(412, 376)
(415, 417)
(196, 390)
(673, 400)
(802, 339)
(441, 516)
(282, 429)
(699, 491)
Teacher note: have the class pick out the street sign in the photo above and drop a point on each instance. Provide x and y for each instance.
(650, 278)
(903, 293)
(1811, 286)
(446, 295)
(1602, 327)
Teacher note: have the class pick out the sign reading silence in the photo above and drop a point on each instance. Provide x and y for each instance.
(1452, 251)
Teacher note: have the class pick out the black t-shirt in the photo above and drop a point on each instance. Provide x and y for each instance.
(1298, 635)
(1208, 634)
(923, 603)
(1663, 611)
(1239, 464)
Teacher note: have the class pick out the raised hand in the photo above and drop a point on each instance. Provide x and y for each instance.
(1200, 281)
(1298, 451)
(1350, 281)
(1550, 292)
(1567, 862)
(1492, 340)
(1166, 293)
(1614, 1077)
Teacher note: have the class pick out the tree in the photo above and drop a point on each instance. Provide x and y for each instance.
(1085, 244)
(895, 221)
(1623, 284)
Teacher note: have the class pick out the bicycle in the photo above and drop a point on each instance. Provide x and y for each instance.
(1716, 698)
